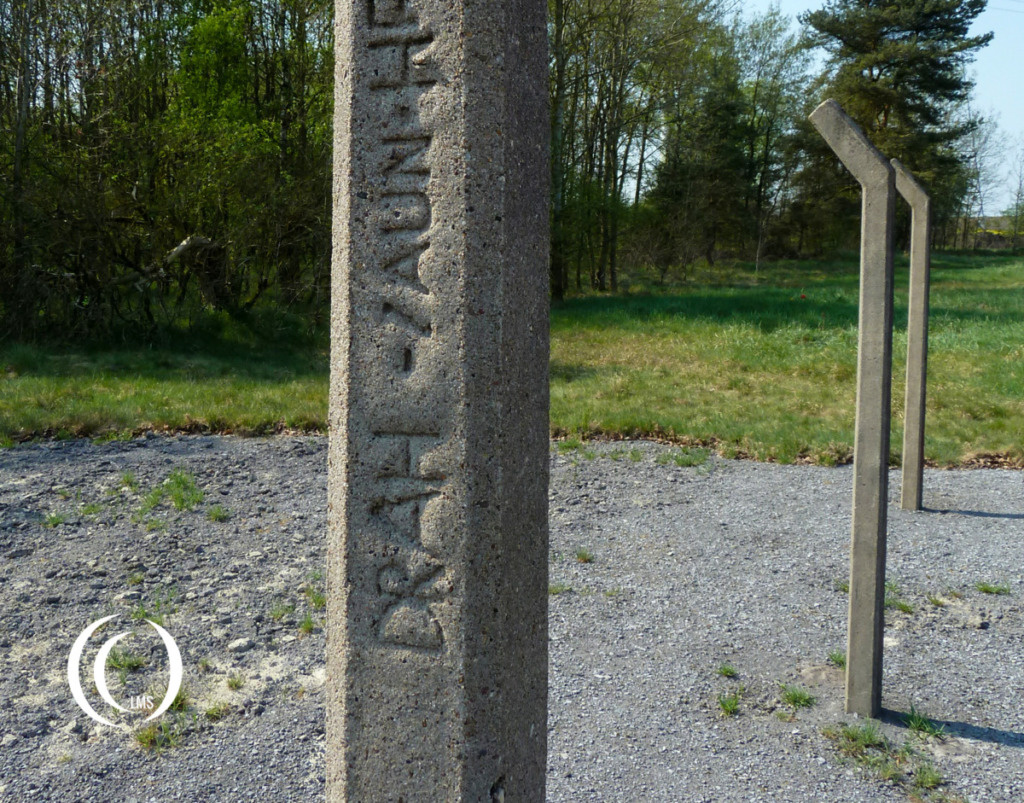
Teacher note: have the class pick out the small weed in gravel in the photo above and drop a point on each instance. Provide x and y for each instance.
(727, 670)
(856, 741)
(584, 555)
(91, 509)
(159, 736)
(688, 458)
(316, 598)
(129, 481)
(893, 599)
(796, 698)
(927, 777)
(218, 711)
(568, 445)
(867, 746)
(181, 488)
(54, 519)
(181, 699)
(730, 703)
(838, 658)
(161, 606)
(235, 681)
(992, 588)
(136, 578)
(921, 725)
(280, 610)
(558, 588)
(841, 585)
(204, 665)
(937, 601)
(218, 513)
(306, 626)
(125, 662)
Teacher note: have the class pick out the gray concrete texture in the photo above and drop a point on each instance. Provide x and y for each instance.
(874, 384)
(917, 335)
(437, 470)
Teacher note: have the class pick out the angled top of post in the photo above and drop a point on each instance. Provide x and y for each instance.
(907, 186)
(850, 144)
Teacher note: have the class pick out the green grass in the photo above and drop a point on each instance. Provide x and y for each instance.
(235, 681)
(558, 588)
(159, 736)
(758, 364)
(752, 369)
(181, 488)
(123, 659)
(256, 376)
(218, 711)
(157, 609)
(218, 513)
(921, 725)
(584, 555)
(992, 588)
(797, 698)
(838, 658)
(894, 599)
(856, 740)
(281, 610)
(726, 670)
(729, 704)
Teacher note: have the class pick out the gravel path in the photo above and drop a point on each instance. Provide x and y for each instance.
(685, 568)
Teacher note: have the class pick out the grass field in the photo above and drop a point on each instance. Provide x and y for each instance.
(758, 364)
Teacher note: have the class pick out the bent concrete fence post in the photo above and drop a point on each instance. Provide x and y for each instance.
(438, 458)
(874, 384)
(917, 335)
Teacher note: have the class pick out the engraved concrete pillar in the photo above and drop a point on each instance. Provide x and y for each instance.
(437, 558)
(917, 334)
(874, 383)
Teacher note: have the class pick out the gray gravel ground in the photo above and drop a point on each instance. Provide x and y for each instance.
(691, 567)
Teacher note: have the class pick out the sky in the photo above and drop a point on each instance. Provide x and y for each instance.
(997, 68)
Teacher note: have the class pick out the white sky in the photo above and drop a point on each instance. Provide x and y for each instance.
(998, 72)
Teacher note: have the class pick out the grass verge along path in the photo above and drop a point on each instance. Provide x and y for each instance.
(760, 365)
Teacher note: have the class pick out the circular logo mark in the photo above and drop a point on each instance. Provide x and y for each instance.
(99, 673)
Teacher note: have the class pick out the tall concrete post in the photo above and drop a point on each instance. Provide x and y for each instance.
(437, 491)
(917, 335)
(874, 384)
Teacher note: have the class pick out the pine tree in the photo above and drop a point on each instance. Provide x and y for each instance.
(899, 69)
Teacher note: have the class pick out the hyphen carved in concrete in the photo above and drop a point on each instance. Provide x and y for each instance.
(874, 382)
(917, 334)
(437, 557)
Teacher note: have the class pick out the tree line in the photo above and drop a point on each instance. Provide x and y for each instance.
(160, 158)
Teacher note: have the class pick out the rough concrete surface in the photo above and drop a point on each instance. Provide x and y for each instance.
(874, 393)
(437, 467)
(691, 568)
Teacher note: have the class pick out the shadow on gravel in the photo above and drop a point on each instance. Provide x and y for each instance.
(978, 514)
(962, 730)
